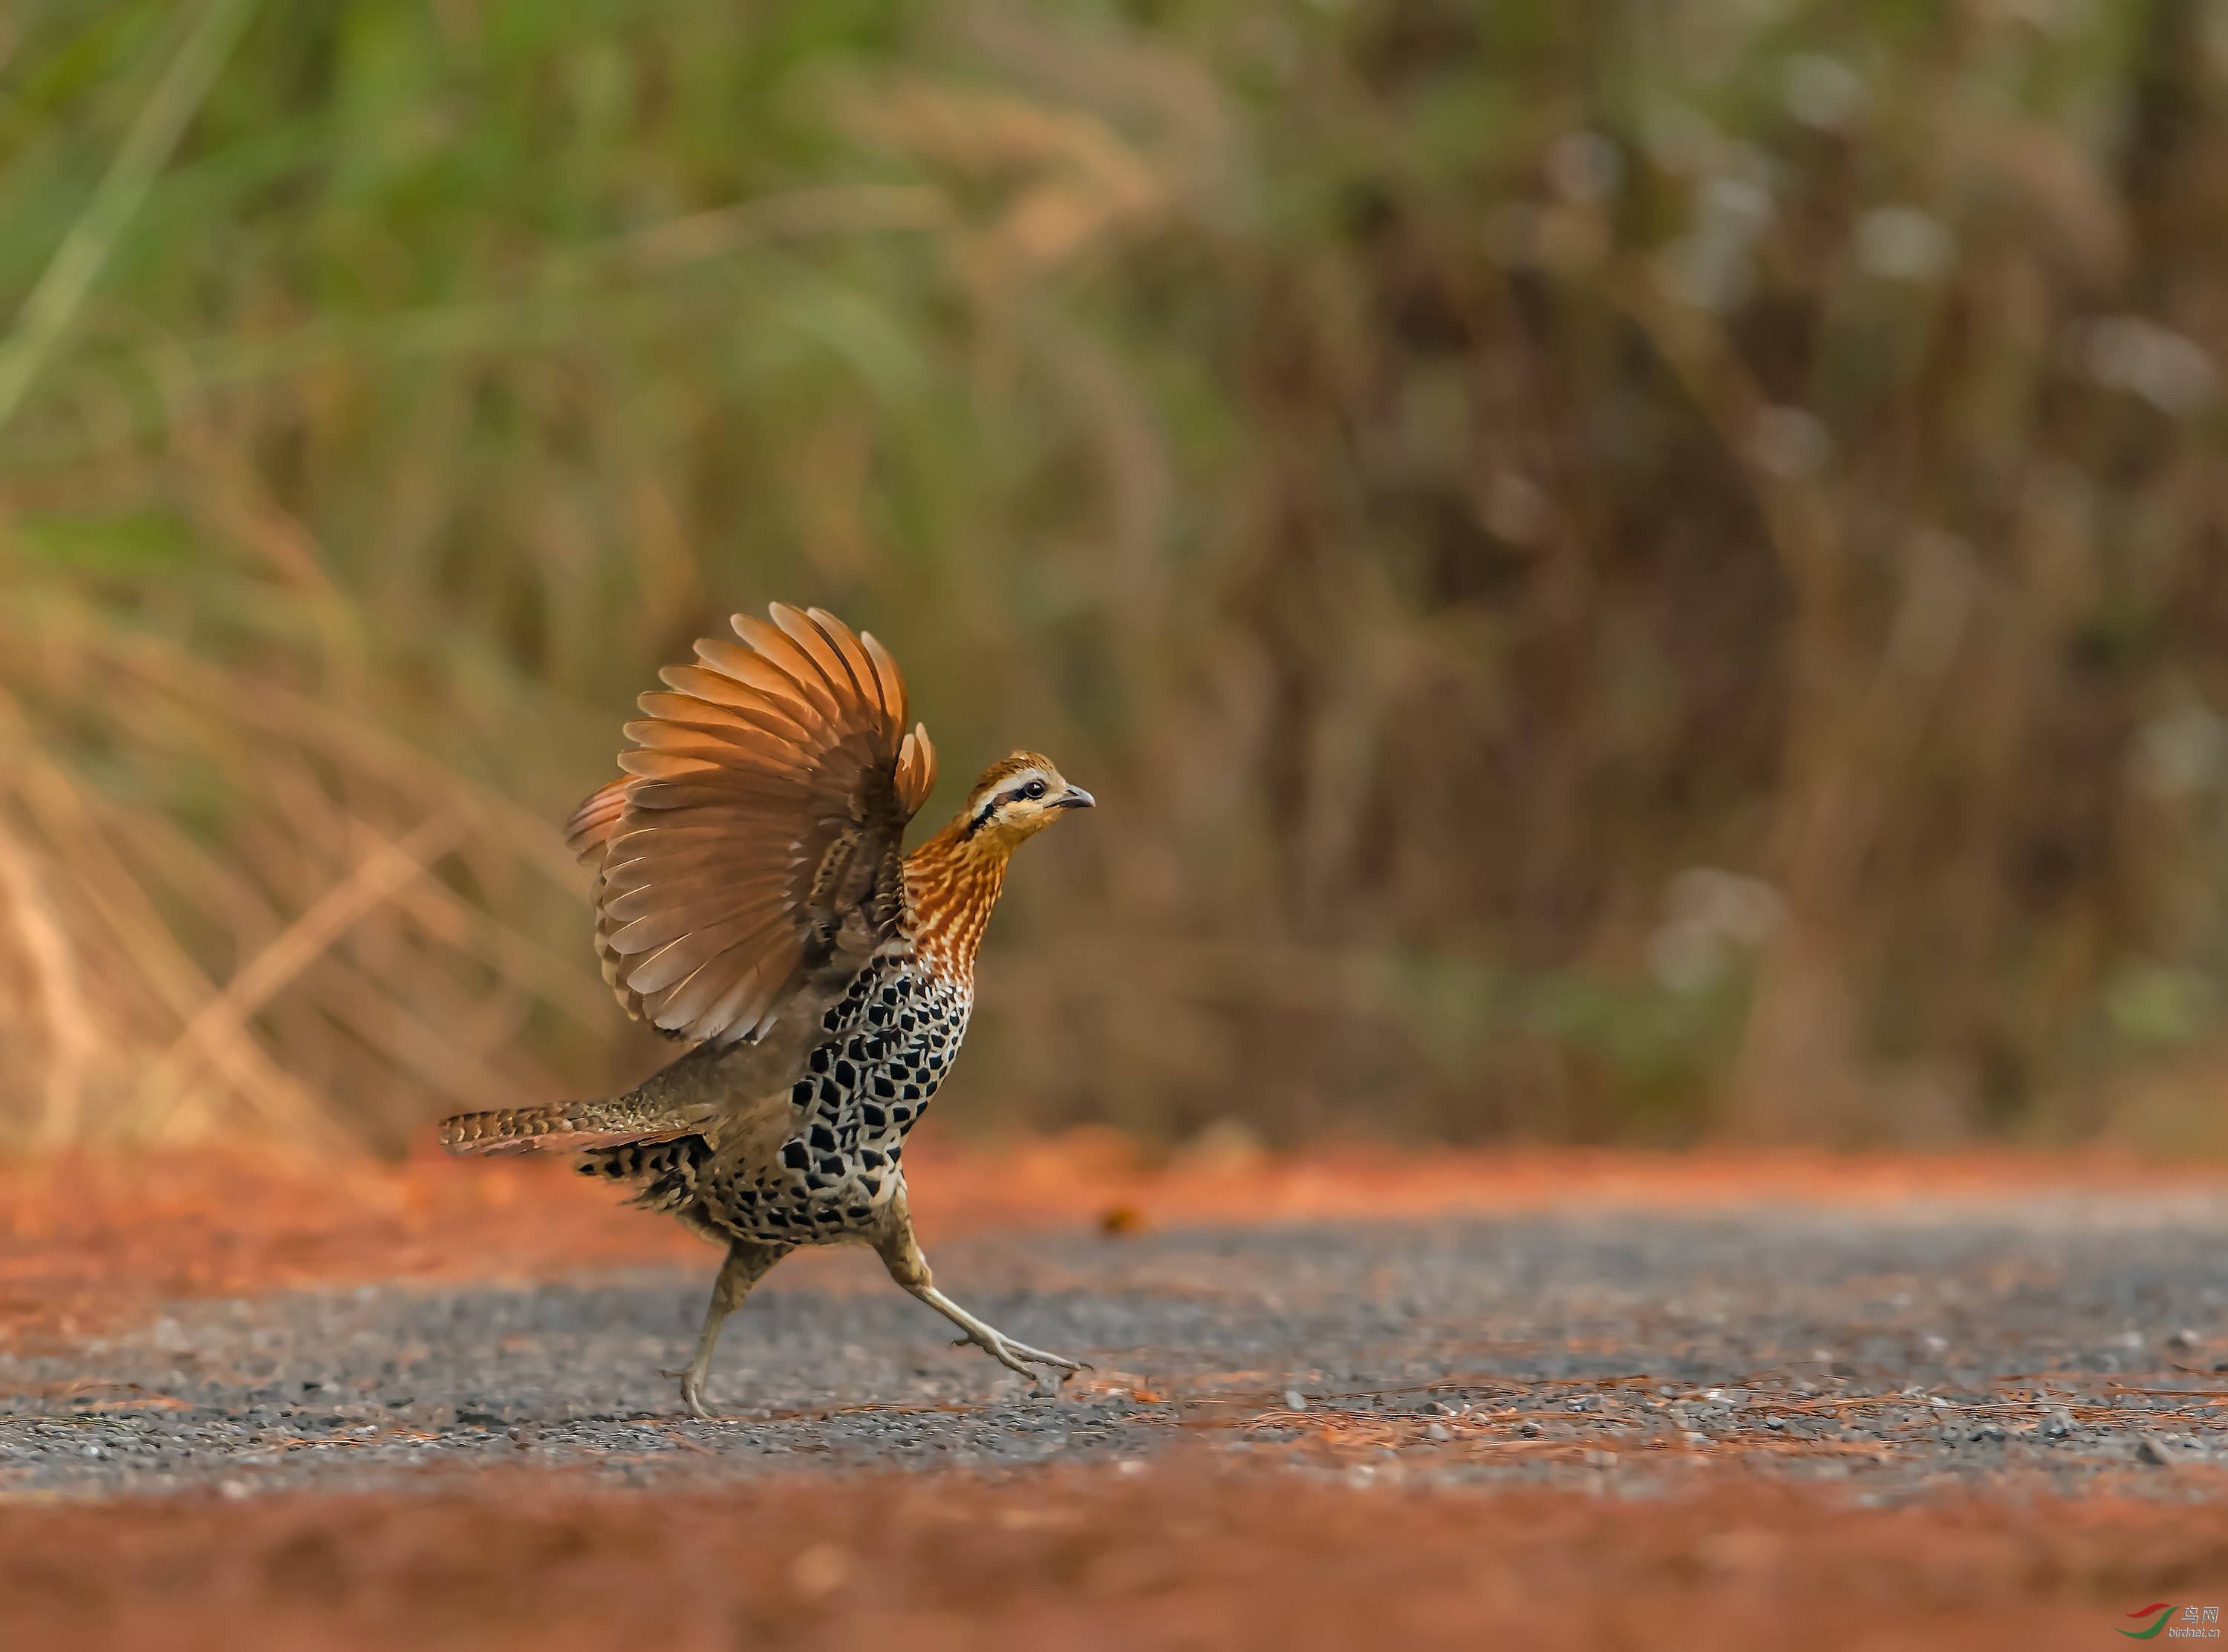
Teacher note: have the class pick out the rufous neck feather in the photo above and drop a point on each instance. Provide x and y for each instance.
(952, 880)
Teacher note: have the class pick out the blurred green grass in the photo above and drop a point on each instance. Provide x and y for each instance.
(1625, 572)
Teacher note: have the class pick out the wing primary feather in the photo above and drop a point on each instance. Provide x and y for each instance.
(845, 641)
(790, 717)
(664, 766)
(664, 926)
(798, 627)
(817, 625)
(683, 1004)
(894, 704)
(916, 776)
(589, 831)
(765, 790)
(686, 710)
(701, 1003)
(770, 678)
(776, 646)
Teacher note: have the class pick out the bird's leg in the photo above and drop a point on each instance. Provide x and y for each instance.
(747, 1263)
(900, 1254)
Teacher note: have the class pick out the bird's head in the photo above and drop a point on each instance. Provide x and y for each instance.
(1017, 797)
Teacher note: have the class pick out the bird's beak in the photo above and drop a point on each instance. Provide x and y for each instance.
(1076, 798)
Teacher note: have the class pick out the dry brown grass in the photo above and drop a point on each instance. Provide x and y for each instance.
(1456, 483)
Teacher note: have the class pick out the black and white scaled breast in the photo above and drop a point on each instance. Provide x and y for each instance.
(891, 1039)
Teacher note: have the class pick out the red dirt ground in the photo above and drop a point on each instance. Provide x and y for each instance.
(1176, 1557)
(89, 1244)
(1184, 1554)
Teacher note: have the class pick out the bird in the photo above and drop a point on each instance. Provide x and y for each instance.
(753, 897)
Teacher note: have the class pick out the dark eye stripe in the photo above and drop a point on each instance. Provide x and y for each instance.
(998, 801)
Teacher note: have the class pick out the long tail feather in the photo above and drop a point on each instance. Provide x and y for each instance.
(560, 1126)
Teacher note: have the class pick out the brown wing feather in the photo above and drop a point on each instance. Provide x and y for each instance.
(588, 834)
(855, 658)
(915, 770)
(886, 669)
(758, 826)
(591, 826)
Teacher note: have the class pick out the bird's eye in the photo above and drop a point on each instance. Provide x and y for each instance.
(1035, 789)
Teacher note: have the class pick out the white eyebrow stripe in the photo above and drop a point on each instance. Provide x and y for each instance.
(1010, 792)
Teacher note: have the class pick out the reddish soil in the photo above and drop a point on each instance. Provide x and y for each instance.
(1176, 1556)
(89, 1244)
(1186, 1553)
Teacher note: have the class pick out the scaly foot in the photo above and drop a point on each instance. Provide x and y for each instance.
(692, 1395)
(1015, 1356)
(1020, 1356)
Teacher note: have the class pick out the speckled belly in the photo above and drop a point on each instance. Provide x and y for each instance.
(890, 1041)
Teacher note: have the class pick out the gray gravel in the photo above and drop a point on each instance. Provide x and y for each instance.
(1892, 1348)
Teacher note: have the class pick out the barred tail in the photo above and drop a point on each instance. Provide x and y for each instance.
(663, 1173)
(560, 1126)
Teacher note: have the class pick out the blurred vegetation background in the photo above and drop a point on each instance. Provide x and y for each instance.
(1623, 571)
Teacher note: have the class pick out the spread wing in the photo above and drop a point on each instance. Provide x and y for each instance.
(758, 825)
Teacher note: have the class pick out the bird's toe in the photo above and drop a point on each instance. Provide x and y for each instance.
(1020, 1356)
(1038, 1357)
(692, 1400)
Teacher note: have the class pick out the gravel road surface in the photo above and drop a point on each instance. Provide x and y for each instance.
(1899, 1348)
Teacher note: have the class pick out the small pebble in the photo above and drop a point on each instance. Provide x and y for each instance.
(1295, 1400)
